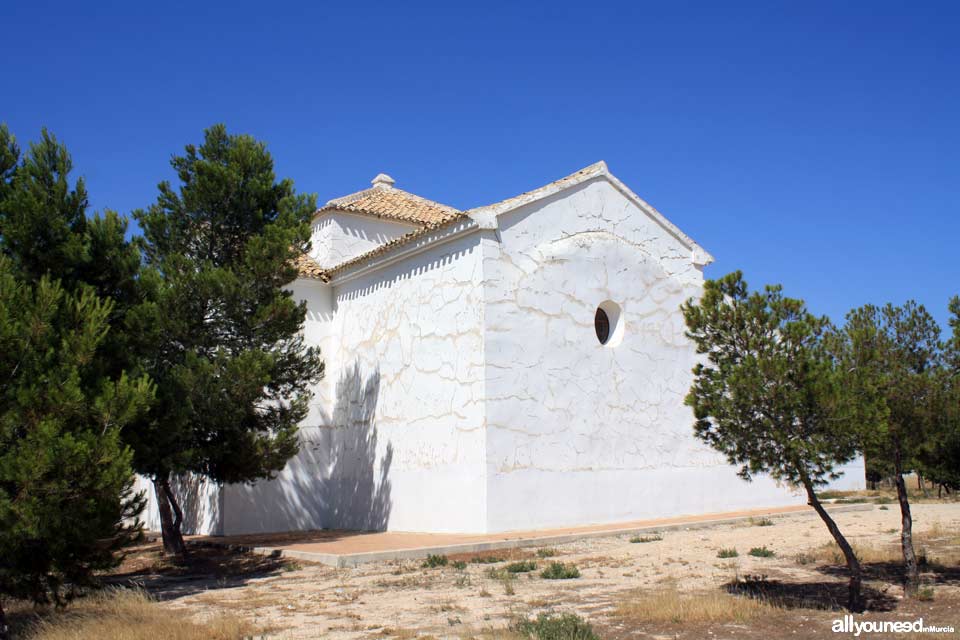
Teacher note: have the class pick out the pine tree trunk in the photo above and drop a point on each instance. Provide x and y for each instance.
(169, 528)
(906, 528)
(4, 628)
(854, 599)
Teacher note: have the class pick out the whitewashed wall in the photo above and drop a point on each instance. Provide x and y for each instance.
(413, 332)
(395, 437)
(578, 432)
(338, 237)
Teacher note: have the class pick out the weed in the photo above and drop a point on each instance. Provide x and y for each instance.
(560, 571)
(805, 558)
(760, 522)
(291, 565)
(546, 553)
(642, 539)
(727, 553)
(762, 552)
(434, 561)
(564, 627)
(459, 565)
(925, 594)
(486, 560)
(506, 579)
(521, 567)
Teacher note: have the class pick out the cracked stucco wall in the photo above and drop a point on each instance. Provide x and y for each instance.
(416, 326)
(578, 432)
(394, 439)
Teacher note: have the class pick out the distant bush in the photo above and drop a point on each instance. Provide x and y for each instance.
(486, 560)
(523, 566)
(547, 627)
(434, 561)
(459, 564)
(761, 552)
(546, 553)
(560, 571)
(727, 553)
(761, 522)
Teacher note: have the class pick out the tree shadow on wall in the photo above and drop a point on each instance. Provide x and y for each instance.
(357, 492)
(200, 501)
(336, 481)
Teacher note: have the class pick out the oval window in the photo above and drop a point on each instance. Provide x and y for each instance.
(608, 323)
(601, 322)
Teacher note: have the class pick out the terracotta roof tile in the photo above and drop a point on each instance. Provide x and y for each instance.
(307, 268)
(383, 200)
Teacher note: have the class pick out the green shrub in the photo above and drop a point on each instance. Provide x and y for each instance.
(925, 594)
(459, 564)
(642, 539)
(521, 567)
(486, 560)
(727, 553)
(560, 571)
(546, 553)
(762, 552)
(547, 627)
(434, 561)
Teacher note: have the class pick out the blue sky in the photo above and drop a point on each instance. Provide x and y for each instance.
(813, 144)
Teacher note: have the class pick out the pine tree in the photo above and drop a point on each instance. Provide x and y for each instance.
(769, 394)
(940, 455)
(65, 475)
(66, 505)
(224, 340)
(894, 353)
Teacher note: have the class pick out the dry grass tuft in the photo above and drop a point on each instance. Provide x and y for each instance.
(132, 615)
(829, 553)
(670, 605)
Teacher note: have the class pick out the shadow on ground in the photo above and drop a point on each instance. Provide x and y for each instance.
(931, 573)
(825, 595)
(205, 568)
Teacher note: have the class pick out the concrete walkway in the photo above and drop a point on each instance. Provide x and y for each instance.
(351, 548)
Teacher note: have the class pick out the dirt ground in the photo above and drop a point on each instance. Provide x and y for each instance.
(618, 578)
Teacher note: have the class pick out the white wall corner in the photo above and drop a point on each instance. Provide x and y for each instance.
(485, 218)
(700, 257)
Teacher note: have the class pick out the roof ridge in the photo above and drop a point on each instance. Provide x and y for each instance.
(353, 197)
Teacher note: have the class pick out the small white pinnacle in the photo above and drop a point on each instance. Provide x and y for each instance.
(383, 181)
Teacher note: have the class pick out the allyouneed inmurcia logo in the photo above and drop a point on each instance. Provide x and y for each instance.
(857, 627)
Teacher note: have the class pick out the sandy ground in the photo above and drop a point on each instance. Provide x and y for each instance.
(404, 599)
